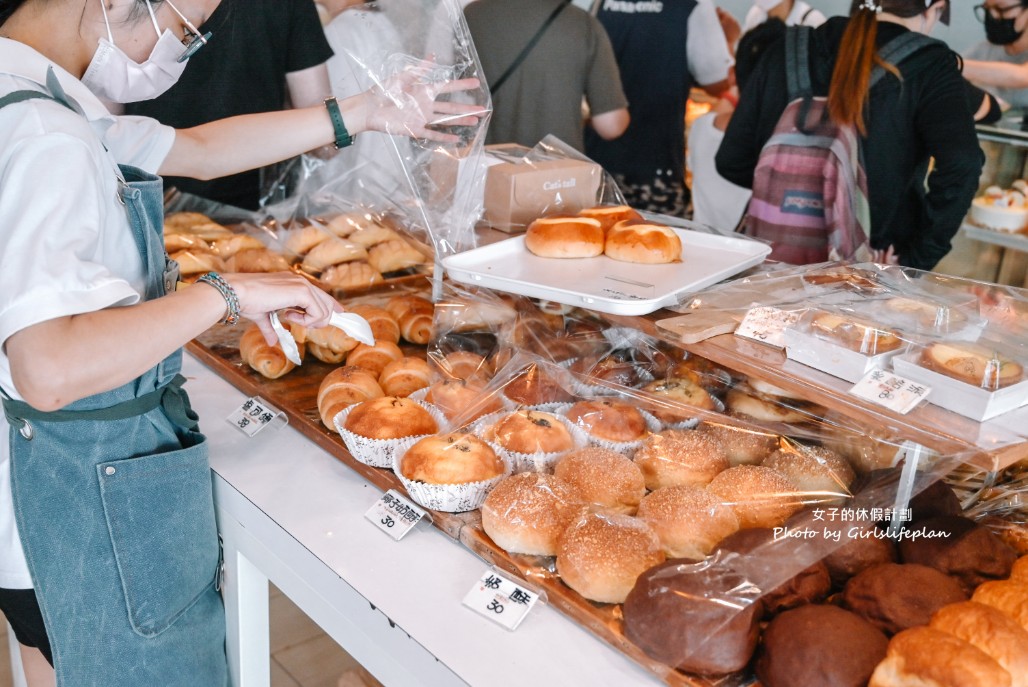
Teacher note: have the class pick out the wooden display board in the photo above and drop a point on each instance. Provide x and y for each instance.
(295, 394)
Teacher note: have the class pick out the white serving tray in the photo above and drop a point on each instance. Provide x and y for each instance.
(600, 283)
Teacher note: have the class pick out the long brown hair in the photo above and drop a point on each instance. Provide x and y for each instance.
(849, 89)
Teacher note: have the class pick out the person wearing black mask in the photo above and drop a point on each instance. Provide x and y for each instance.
(1000, 63)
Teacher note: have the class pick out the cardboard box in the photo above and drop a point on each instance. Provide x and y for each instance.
(518, 191)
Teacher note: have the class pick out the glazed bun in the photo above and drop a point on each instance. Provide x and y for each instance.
(390, 417)
(450, 459)
(689, 520)
(600, 555)
(527, 512)
(531, 431)
(674, 458)
(609, 215)
(759, 496)
(643, 242)
(603, 477)
(563, 236)
(925, 656)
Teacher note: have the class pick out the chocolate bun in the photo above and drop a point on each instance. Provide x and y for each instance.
(969, 552)
(562, 236)
(894, 597)
(818, 645)
(698, 617)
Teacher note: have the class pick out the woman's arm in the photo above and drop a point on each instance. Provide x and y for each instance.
(996, 74)
(59, 361)
(405, 105)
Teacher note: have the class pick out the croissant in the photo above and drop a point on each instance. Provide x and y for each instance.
(178, 222)
(300, 241)
(257, 260)
(227, 247)
(372, 236)
(416, 327)
(343, 387)
(176, 242)
(394, 255)
(383, 325)
(346, 224)
(332, 251)
(375, 358)
(194, 263)
(405, 376)
(350, 275)
(269, 361)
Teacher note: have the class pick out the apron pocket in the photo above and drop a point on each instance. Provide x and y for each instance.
(160, 514)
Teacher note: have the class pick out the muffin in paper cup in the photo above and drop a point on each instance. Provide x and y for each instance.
(379, 453)
(449, 498)
(692, 422)
(626, 448)
(583, 388)
(539, 461)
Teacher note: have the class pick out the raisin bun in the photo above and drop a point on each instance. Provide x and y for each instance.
(565, 236)
(535, 387)
(531, 431)
(609, 420)
(450, 459)
(460, 398)
(390, 417)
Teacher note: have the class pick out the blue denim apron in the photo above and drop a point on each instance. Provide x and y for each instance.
(112, 496)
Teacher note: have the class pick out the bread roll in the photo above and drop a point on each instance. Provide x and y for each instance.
(192, 263)
(643, 242)
(450, 459)
(394, 255)
(527, 512)
(372, 235)
(269, 361)
(343, 387)
(689, 520)
(861, 337)
(398, 305)
(603, 477)
(177, 222)
(384, 326)
(466, 365)
(535, 387)
(331, 251)
(405, 376)
(609, 420)
(463, 399)
(822, 474)
(1007, 596)
(609, 215)
(674, 458)
(416, 327)
(257, 260)
(299, 241)
(227, 247)
(759, 496)
(764, 409)
(972, 364)
(390, 417)
(600, 555)
(327, 344)
(990, 630)
(675, 395)
(1019, 573)
(530, 431)
(564, 236)
(743, 446)
(173, 243)
(926, 657)
(375, 358)
(351, 275)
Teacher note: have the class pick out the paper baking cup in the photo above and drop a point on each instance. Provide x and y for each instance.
(625, 448)
(531, 462)
(449, 498)
(691, 422)
(581, 388)
(379, 453)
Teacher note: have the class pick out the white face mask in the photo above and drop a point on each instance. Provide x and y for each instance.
(117, 77)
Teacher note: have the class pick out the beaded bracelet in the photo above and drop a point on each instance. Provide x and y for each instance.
(227, 292)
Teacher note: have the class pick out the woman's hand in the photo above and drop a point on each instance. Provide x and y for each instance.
(405, 104)
(885, 256)
(260, 295)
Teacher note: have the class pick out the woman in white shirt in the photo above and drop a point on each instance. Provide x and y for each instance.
(105, 473)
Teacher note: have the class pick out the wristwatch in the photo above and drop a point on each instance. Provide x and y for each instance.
(343, 137)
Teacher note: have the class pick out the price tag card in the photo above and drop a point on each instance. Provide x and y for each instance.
(501, 600)
(767, 325)
(890, 390)
(254, 415)
(395, 515)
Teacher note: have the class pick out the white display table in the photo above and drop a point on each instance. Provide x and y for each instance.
(292, 514)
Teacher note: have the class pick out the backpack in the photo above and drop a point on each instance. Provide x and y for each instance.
(809, 187)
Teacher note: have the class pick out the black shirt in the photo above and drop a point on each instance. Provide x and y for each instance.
(926, 115)
(242, 70)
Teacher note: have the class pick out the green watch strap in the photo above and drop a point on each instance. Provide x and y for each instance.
(343, 137)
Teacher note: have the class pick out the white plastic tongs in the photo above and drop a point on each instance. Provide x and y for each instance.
(351, 324)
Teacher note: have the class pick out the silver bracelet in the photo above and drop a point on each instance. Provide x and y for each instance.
(227, 292)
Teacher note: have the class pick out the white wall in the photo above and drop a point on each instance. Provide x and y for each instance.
(963, 32)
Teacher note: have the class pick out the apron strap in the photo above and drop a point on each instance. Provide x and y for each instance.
(172, 398)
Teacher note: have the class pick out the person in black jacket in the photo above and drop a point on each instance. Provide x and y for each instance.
(902, 122)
